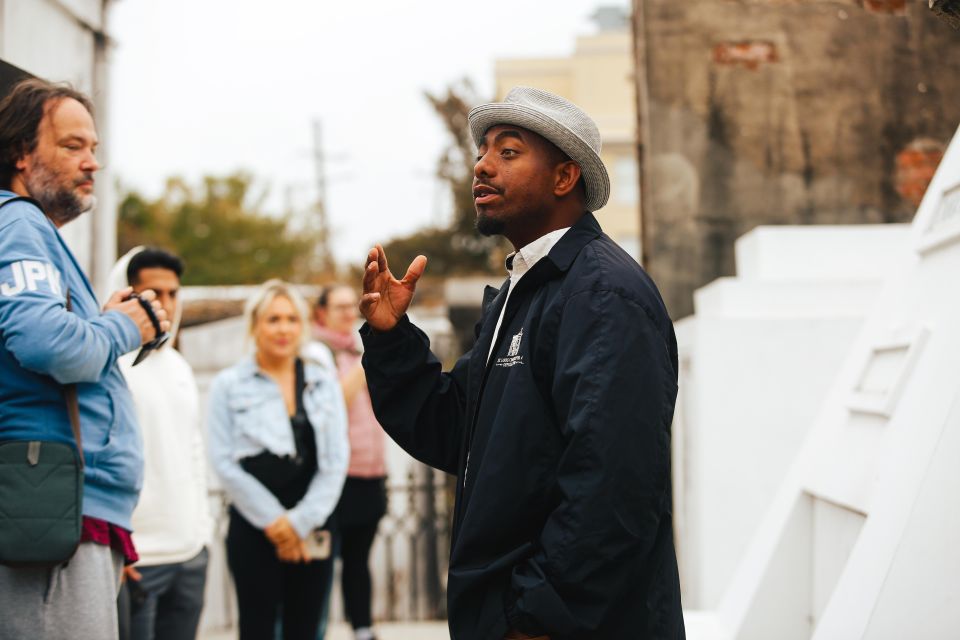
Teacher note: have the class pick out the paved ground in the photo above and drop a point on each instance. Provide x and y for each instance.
(395, 631)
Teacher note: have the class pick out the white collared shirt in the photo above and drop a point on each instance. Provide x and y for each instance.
(518, 263)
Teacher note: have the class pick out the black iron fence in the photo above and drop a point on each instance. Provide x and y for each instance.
(412, 548)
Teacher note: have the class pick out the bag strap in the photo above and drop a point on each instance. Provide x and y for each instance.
(21, 199)
(301, 384)
(73, 407)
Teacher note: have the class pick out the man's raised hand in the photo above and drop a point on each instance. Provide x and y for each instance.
(385, 299)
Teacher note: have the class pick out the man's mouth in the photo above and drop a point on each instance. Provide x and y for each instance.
(484, 194)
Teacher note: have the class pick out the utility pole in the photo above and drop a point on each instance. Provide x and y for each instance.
(320, 221)
(646, 212)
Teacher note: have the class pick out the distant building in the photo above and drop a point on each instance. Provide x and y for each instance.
(67, 41)
(597, 77)
(758, 113)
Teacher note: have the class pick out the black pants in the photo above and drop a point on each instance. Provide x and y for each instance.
(355, 543)
(264, 584)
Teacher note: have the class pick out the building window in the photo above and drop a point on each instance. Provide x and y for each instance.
(630, 244)
(626, 185)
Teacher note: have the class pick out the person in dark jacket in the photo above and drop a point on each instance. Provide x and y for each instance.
(557, 422)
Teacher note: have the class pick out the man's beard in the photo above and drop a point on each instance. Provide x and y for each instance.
(489, 226)
(61, 204)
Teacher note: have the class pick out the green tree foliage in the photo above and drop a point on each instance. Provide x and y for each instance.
(221, 232)
(456, 249)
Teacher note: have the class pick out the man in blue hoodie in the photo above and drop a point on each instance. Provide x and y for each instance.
(47, 154)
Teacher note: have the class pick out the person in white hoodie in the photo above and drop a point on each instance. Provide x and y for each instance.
(172, 525)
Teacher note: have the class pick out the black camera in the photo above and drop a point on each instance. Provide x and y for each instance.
(160, 337)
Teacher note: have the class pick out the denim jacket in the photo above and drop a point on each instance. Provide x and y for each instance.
(247, 415)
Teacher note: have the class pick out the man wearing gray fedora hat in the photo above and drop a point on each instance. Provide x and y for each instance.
(557, 421)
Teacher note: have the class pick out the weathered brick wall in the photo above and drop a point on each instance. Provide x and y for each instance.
(948, 10)
(785, 112)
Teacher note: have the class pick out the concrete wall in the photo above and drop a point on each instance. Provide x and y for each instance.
(66, 41)
(775, 112)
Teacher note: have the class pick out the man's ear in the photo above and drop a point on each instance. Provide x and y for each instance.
(566, 178)
(21, 163)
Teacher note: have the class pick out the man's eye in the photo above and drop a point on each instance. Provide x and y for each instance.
(508, 152)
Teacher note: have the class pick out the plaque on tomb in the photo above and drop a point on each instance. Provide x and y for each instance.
(885, 374)
(944, 225)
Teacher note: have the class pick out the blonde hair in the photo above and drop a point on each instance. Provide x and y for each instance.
(267, 293)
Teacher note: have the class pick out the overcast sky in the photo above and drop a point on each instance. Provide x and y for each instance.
(213, 86)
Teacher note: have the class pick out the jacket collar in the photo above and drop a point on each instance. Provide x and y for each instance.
(583, 231)
(248, 368)
(490, 294)
(563, 254)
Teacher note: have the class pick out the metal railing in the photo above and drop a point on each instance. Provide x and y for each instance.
(414, 538)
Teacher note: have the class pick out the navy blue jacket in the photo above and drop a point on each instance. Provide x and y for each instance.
(560, 444)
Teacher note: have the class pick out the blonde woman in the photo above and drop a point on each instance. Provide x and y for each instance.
(278, 442)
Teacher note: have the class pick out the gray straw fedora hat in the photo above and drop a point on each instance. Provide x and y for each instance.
(559, 121)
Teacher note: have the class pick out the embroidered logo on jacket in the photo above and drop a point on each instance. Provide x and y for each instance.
(512, 358)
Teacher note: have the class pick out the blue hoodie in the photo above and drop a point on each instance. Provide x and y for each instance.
(42, 346)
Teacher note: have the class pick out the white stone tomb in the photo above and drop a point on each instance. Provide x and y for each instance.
(859, 540)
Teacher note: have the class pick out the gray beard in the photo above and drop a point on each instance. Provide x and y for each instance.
(59, 203)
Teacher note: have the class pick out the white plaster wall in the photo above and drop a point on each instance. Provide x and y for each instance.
(756, 362)
(55, 40)
(818, 253)
(760, 382)
(911, 605)
(45, 38)
(882, 453)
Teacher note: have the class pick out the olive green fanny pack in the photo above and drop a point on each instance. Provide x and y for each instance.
(41, 489)
(41, 495)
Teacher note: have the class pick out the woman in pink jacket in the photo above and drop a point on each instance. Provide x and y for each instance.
(364, 497)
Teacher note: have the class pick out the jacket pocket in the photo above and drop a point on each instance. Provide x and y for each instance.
(98, 421)
(259, 422)
(248, 411)
(118, 461)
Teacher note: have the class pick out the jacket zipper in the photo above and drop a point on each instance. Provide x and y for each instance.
(507, 318)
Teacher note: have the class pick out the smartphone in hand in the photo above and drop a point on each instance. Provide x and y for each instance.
(319, 544)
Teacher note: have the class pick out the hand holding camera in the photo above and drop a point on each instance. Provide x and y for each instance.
(144, 309)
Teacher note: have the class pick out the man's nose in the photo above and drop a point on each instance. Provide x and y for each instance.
(90, 163)
(483, 168)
